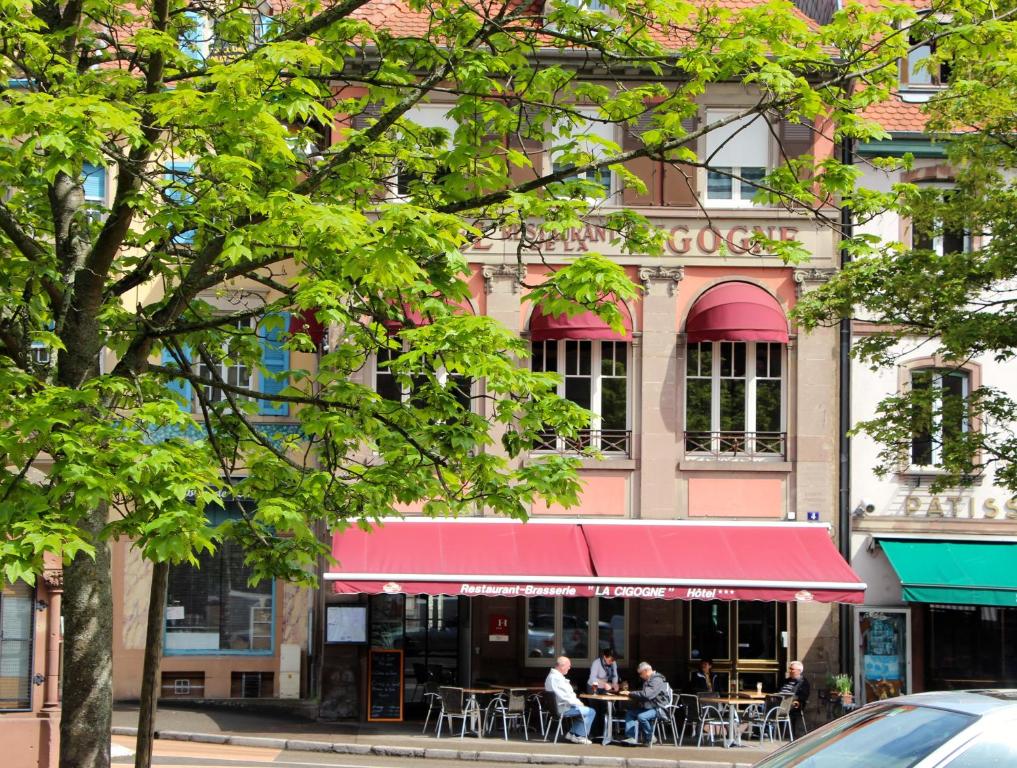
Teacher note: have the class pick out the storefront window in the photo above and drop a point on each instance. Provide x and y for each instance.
(426, 629)
(611, 624)
(964, 647)
(16, 614)
(757, 630)
(574, 626)
(211, 607)
(711, 631)
(386, 621)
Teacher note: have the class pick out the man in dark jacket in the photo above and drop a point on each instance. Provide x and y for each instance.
(646, 705)
(797, 685)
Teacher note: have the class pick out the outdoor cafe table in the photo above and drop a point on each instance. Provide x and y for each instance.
(733, 703)
(472, 703)
(610, 698)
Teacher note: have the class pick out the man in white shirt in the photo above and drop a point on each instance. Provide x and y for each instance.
(582, 716)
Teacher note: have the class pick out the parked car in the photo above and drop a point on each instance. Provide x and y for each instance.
(949, 729)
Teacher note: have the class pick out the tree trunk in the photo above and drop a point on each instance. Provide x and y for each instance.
(150, 672)
(88, 655)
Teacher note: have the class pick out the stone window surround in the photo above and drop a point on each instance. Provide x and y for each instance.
(904, 372)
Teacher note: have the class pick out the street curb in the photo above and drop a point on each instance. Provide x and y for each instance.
(429, 753)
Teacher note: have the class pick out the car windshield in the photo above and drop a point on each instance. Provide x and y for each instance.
(889, 736)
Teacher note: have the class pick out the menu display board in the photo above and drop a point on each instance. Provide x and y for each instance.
(346, 624)
(385, 686)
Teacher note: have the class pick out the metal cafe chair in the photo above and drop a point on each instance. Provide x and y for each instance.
(776, 718)
(454, 704)
(536, 707)
(432, 697)
(511, 708)
(667, 719)
(700, 717)
(555, 711)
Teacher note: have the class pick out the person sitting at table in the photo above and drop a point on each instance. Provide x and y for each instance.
(604, 672)
(797, 685)
(603, 679)
(705, 679)
(646, 704)
(582, 716)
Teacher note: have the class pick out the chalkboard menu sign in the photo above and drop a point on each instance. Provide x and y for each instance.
(385, 686)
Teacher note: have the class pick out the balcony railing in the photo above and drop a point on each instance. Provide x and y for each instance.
(770, 445)
(614, 441)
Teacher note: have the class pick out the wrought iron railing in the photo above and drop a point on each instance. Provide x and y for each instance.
(747, 444)
(616, 441)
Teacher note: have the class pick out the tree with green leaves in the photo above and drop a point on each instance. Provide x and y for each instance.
(263, 169)
(950, 292)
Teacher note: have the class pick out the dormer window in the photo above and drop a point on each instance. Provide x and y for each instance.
(920, 71)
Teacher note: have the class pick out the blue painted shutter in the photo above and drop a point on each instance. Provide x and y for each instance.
(181, 387)
(276, 359)
(94, 182)
(180, 172)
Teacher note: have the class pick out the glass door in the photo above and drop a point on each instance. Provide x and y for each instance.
(883, 660)
(426, 628)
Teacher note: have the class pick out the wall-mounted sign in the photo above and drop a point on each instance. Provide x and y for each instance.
(694, 238)
(960, 507)
(498, 629)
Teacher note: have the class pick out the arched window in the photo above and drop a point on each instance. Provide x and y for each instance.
(734, 373)
(593, 361)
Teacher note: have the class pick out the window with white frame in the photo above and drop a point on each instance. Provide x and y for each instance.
(269, 377)
(940, 412)
(388, 385)
(577, 627)
(594, 375)
(918, 71)
(427, 120)
(591, 139)
(738, 154)
(734, 398)
(232, 371)
(17, 628)
(942, 240)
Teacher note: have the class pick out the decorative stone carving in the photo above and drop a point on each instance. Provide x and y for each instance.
(670, 275)
(514, 272)
(811, 277)
(53, 578)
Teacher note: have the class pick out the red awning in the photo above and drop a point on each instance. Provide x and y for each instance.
(449, 557)
(736, 311)
(586, 325)
(681, 560)
(415, 319)
(726, 561)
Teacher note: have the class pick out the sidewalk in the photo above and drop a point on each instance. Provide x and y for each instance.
(404, 740)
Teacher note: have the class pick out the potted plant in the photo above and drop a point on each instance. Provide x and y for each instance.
(842, 684)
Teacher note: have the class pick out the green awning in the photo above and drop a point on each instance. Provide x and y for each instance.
(957, 572)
